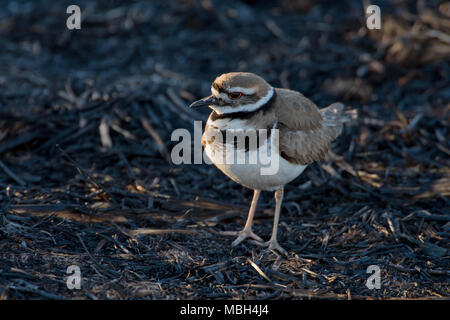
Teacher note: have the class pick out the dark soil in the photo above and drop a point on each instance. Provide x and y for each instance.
(86, 118)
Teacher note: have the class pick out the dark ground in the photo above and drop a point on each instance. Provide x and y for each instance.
(85, 124)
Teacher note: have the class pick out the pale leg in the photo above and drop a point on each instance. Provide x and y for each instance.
(272, 244)
(247, 231)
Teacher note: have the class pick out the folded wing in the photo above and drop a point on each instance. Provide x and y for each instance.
(305, 131)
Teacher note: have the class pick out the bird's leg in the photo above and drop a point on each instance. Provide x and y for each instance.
(272, 244)
(247, 231)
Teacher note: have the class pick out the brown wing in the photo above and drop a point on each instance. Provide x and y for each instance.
(296, 111)
(305, 131)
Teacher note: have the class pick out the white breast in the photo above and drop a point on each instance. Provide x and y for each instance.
(254, 169)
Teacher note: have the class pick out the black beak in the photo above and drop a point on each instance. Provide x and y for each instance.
(211, 100)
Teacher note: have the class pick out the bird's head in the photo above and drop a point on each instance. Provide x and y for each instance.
(237, 92)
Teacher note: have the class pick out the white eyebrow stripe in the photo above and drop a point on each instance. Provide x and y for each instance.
(214, 92)
(248, 91)
(243, 90)
(246, 107)
(217, 94)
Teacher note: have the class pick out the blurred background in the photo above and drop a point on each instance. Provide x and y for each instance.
(86, 118)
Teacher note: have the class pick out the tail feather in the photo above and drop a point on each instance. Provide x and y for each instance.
(335, 113)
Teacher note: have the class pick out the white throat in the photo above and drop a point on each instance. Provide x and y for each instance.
(242, 108)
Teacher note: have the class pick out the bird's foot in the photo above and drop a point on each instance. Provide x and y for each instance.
(242, 235)
(273, 245)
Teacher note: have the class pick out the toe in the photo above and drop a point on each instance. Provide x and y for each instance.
(244, 234)
(238, 240)
(255, 237)
(274, 246)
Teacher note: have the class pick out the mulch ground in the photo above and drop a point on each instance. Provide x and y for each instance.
(86, 118)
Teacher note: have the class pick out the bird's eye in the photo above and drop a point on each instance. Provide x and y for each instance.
(234, 95)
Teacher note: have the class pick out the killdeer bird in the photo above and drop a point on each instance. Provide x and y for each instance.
(242, 100)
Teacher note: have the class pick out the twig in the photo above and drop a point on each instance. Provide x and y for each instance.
(84, 172)
(258, 269)
(111, 273)
(11, 174)
(140, 231)
(181, 105)
(42, 293)
(155, 135)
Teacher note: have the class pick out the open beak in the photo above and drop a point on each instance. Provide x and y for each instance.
(211, 100)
